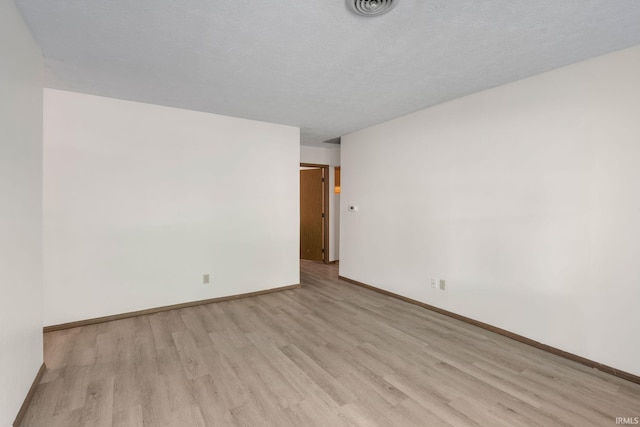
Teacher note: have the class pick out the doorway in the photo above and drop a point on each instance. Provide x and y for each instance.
(314, 212)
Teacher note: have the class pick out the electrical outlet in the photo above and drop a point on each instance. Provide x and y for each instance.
(205, 279)
(434, 283)
(443, 285)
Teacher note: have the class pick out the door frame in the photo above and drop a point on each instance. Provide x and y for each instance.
(325, 198)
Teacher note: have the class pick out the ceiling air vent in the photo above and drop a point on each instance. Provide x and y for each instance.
(371, 7)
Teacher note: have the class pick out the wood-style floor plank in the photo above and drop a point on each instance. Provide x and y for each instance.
(327, 354)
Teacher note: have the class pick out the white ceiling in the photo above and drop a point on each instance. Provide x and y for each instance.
(313, 63)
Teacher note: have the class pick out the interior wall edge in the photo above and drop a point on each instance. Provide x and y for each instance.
(103, 319)
(505, 333)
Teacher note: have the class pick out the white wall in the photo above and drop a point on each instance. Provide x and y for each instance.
(20, 211)
(525, 198)
(328, 156)
(141, 200)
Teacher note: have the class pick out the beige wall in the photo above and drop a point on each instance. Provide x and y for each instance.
(141, 200)
(20, 211)
(525, 198)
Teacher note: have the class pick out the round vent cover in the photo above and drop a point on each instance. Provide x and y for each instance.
(371, 7)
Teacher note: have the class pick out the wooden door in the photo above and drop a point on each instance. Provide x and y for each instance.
(311, 214)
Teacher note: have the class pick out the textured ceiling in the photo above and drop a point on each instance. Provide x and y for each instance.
(314, 64)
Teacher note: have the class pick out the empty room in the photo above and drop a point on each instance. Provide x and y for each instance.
(319, 213)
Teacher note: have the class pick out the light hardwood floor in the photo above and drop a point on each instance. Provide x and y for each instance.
(328, 354)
